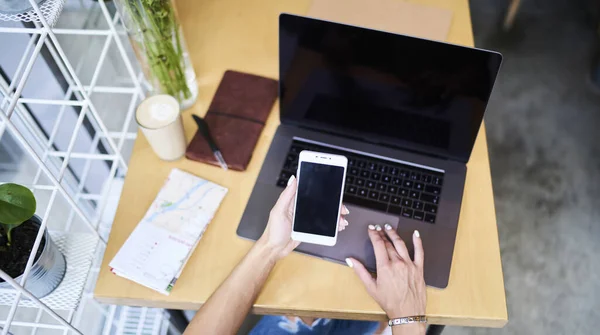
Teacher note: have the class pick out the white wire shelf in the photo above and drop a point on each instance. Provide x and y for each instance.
(50, 10)
(75, 157)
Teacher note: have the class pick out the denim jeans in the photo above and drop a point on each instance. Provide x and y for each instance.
(281, 325)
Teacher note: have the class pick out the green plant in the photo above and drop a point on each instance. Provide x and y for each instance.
(161, 44)
(17, 205)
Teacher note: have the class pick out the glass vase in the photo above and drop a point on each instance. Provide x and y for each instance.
(157, 40)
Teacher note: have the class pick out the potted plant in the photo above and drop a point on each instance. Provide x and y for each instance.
(19, 227)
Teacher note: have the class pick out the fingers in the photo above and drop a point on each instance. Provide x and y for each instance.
(391, 251)
(419, 252)
(381, 254)
(399, 245)
(342, 223)
(286, 198)
(363, 274)
(344, 210)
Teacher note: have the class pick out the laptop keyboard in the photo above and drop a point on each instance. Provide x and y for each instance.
(379, 184)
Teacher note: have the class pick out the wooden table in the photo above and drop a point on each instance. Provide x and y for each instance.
(242, 35)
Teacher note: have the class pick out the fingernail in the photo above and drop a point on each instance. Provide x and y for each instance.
(378, 227)
(371, 227)
(345, 210)
(388, 226)
(417, 234)
(349, 262)
(345, 222)
(291, 180)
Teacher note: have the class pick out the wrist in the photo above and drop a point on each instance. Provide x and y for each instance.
(410, 329)
(266, 250)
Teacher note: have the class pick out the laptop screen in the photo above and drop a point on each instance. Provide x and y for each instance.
(381, 87)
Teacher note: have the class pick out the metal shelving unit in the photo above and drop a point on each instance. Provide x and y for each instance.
(74, 158)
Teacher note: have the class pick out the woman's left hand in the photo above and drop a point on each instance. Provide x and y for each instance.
(277, 234)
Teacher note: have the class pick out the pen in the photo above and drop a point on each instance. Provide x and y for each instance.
(203, 128)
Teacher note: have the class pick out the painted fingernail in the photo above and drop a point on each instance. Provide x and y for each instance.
(371, 227)
(417, 233)
(345, 210)
(349, 262)
(388, 226)
(291, 180)
(378, 227)
(345, 222)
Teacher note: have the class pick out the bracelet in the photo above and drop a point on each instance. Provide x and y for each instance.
(407, 320)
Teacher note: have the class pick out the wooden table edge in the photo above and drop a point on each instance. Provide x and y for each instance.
(269, 310)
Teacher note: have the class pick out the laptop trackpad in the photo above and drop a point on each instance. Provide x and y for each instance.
(354, 240)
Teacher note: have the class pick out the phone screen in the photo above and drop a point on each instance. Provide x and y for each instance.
(318, 199)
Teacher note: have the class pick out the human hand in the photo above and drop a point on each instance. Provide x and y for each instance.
(399, 287)
(277, 234)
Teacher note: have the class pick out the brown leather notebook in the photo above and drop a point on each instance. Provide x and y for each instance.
(236, 117)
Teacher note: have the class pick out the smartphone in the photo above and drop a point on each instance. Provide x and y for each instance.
(321, 178)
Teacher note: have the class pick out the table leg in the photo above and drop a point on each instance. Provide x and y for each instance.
(435, 329)
(177, 319)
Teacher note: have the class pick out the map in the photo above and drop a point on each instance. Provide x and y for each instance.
(156, 251)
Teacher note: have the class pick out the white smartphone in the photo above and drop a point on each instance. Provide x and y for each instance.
(321, 178)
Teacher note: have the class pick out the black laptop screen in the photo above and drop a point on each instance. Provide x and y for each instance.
(382, 87)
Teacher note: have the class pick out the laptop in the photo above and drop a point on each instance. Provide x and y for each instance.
(405, 112)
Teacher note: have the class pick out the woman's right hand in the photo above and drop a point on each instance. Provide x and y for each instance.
(399, 287)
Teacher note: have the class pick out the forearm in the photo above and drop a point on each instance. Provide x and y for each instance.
(227, 307)
(410, 329)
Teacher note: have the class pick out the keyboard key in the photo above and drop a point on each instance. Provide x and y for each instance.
(372, 166)
(351, 162)
(403, 192)
(414, 194)
(361, 164)
(282, 183)
(392, 189)
(397, 181)
(426, 178)
(350, 199)
(371, 184)
(407, 183)
(381, 187)
(418, 215)
(386, 179)
(384, 197)
(285, 175)
(430, 208)
(363, 192)
(415, 176)
(430, 218)
(394, 209)
(437, 181)
(407, 212)
(295, 149)
(417, 205)
(349, 179)
(394, 171)
(430, 198)
(351, 189)
(375, 175)
(419, 186)
(374, 195)
(360, 182)
(383, 169)
(406, 202)
(353, 171)
(404, 174)
(396, 200)
(433, 189)
(364, 174)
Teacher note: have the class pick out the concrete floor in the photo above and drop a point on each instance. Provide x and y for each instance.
(542, 126)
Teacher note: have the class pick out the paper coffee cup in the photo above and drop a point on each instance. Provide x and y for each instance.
(160, 120)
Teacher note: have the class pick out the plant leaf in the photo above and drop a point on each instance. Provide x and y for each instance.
(17, 204)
